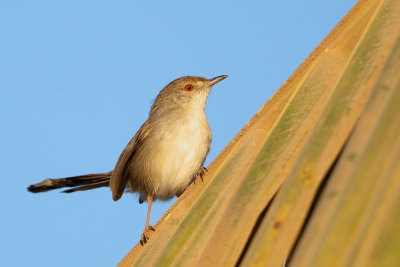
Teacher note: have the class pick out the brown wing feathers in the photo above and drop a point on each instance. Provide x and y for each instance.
(119, 179)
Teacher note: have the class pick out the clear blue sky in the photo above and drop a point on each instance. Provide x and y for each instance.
(77, 79)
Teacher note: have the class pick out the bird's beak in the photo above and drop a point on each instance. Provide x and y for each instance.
(217, 79)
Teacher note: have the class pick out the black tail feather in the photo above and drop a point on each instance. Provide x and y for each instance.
(104, 183)
(80, 183)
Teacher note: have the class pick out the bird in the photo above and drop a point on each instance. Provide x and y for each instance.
(165, 155)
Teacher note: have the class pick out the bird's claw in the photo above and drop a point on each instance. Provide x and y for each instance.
(200, 173)
(145, 235)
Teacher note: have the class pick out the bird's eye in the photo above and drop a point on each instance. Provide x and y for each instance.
(189, 87)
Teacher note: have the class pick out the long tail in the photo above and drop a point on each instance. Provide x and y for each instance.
(78, 183)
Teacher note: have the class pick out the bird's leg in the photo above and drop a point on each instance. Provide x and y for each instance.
(147, 227)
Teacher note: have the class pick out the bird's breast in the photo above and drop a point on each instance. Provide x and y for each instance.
(185, 146)
(175, 152)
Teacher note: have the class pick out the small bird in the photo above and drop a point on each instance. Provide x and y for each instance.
(165, 155)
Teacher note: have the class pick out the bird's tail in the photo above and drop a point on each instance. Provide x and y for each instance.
(78, 183)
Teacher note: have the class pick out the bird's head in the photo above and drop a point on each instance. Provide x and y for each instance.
(184, 91)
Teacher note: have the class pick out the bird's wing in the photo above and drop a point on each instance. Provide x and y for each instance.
(119, 178)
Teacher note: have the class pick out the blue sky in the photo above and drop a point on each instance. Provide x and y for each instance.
(77, 79)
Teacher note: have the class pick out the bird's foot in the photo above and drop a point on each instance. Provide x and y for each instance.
(200, 173)
(145, 235)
